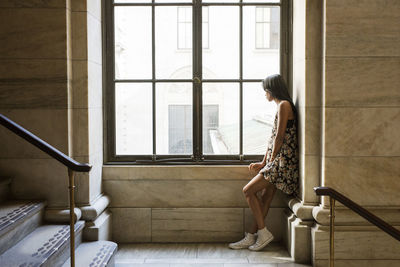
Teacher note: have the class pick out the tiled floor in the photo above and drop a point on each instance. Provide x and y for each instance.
(199, 255)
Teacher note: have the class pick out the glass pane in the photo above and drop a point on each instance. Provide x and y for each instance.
(133, 119)
(261, 41)
(221, 60)
(174, 118)
(258, 119)
(132, 1)
(220, 118)
(220, 1)
(173, 1)
(133, 43)
(173, 42)
(205, 28)
(262, 1)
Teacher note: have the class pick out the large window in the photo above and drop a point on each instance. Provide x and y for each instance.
(183, 79)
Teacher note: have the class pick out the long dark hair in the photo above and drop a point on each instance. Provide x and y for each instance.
(276, 86)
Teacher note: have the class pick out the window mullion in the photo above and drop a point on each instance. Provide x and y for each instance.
(197, 77)
(153, 79)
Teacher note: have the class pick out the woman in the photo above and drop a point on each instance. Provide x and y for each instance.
(279, 168)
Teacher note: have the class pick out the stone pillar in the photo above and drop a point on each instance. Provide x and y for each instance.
(87, 114)
(361, 110)
(307, 58)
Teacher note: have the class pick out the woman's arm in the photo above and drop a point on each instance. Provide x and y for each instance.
(264, 161)
(284, 109)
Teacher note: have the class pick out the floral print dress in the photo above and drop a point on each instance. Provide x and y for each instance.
(283, 172)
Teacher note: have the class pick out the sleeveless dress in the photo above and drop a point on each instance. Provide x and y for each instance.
(283, 172)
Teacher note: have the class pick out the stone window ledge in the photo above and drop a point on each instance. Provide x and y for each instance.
(177, 172)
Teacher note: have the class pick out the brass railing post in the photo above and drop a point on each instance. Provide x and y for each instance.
(332, 232)
(71, 216)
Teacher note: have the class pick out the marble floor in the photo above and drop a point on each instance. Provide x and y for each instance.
(199, 255)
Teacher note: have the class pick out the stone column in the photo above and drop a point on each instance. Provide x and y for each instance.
(307, 59)
(87, 114)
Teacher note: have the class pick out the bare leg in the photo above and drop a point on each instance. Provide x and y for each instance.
(265, 202)
(256, 184)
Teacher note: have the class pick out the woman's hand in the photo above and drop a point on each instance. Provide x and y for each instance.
(256, 166)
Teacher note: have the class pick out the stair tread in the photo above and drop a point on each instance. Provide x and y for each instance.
(14, 212)
(37, 247)
(93, 254)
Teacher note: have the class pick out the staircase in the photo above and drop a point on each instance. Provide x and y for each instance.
(26, 240)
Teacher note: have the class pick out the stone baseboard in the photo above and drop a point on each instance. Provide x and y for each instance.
(358, 263)
(90, 213)
(188, 224)
(297, 237)
(99, 229)
(53, 215)
(354, 244)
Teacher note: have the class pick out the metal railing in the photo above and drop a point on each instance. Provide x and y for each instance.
(71, 164)
(333, 196)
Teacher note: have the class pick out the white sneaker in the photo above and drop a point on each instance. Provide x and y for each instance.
(248, 240)
(264, 237)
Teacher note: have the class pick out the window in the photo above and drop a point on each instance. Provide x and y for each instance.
(203, 106)
(267, 28)
(185, 28)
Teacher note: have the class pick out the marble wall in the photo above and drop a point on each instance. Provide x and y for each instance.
(360, 132)
(34, 85)
(183, 204)
(51, 84)
(87, 112)
(307, 95)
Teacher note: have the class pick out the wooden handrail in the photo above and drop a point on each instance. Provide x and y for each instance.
(42, 145)
(327, 191)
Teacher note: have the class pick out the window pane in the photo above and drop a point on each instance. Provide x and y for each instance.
(220, 118)
(259, 63)
(258, 119)
(171, 34)
(173, 1)
(132, 1)
(133, 119)
(262, 1)
(221, 60)
(205, 25)
(220, 1)
(133, 42)
(174, 118)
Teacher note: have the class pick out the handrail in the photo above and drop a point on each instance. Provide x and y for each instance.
(42, 145)
(327, 191)
(333, 196)
(61, 157)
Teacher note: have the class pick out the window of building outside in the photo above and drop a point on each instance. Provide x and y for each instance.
(185, 27)
(267, 28)
(183, 79)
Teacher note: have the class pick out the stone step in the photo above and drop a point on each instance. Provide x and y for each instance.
(94, 254)
(18, 219)
(48, 245)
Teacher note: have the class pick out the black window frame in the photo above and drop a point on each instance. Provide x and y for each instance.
(110, 156)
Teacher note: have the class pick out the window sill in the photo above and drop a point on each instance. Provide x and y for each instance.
(176, 172)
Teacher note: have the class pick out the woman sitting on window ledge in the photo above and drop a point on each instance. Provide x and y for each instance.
(279, 168)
